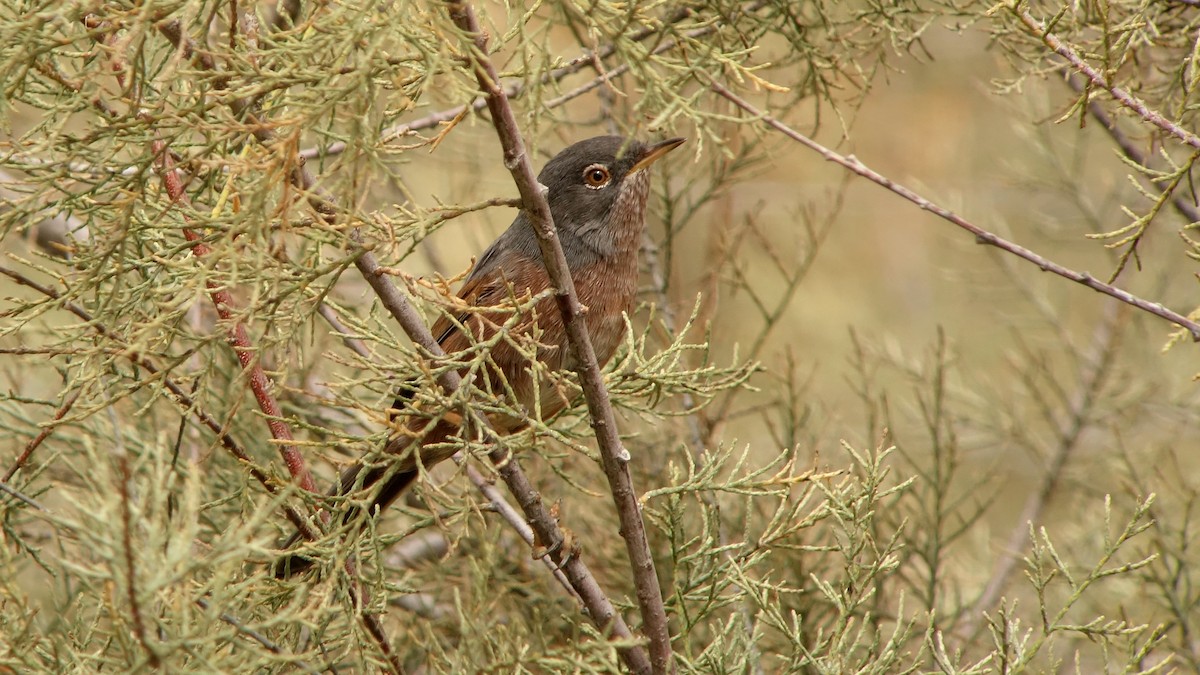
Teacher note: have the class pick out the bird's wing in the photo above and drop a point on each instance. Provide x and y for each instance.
(488, 286)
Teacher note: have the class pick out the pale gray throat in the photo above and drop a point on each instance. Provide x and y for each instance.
(619, 237)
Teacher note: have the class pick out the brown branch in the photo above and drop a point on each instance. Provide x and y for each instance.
(49, 428)
(238, 337)
(179, 396)
(545, 525)
(377, 631)
(240, 340)
(982, 236)
(614, 457)
(1131, 150)
(125, 476)
(1097, 79)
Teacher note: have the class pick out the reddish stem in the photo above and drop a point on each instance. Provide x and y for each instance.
(238, 337)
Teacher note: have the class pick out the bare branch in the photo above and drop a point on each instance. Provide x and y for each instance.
(1098, 80)
(10, 490)
(49, 428)
(1130, 149)
(615, 458)
(982, 236)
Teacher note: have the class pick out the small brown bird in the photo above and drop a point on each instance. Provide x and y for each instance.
(597, 191)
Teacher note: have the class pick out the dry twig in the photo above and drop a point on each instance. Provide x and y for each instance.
(615, 458)
(982, 236)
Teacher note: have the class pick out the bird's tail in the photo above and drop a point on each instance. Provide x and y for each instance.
(388, 480)
(357, 477)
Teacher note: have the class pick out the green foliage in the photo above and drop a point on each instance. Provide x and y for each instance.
(792, 531)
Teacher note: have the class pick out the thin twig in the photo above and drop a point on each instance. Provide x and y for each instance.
(10, 490)
(614, 457)
(982, 236)
(354, 344)
(177, 393)
(135, 606)
(259, 383)
(1130, 149)
(1120, 94)
(1097, 365)
(42, 436)
(518, 89)
(377, 631)
(258, 637)
(697, 446)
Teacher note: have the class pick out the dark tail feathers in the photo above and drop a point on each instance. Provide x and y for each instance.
(394, 486)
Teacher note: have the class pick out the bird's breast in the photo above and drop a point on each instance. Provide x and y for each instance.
(608, 290)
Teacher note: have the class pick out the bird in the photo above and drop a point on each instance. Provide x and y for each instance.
(597, 190)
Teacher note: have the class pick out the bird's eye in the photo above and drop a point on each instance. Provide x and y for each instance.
(596, 176)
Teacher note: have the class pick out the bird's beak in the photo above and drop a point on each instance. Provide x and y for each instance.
(655, 152)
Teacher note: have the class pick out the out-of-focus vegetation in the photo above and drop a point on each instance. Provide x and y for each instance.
(863, 441)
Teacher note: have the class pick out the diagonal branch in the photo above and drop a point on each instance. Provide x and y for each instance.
(614, 457)
(982, 236)
(1100, 81)
(222, 299)
(1097, 367)
(238, 338)
(13, 492)
(47, 429)
(1130, 149)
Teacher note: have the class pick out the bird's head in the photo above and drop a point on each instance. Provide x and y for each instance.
(598, 189)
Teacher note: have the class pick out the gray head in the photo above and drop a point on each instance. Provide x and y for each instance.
(597, 194)
(598, 190)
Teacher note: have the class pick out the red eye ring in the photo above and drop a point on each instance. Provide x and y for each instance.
(596, 176)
